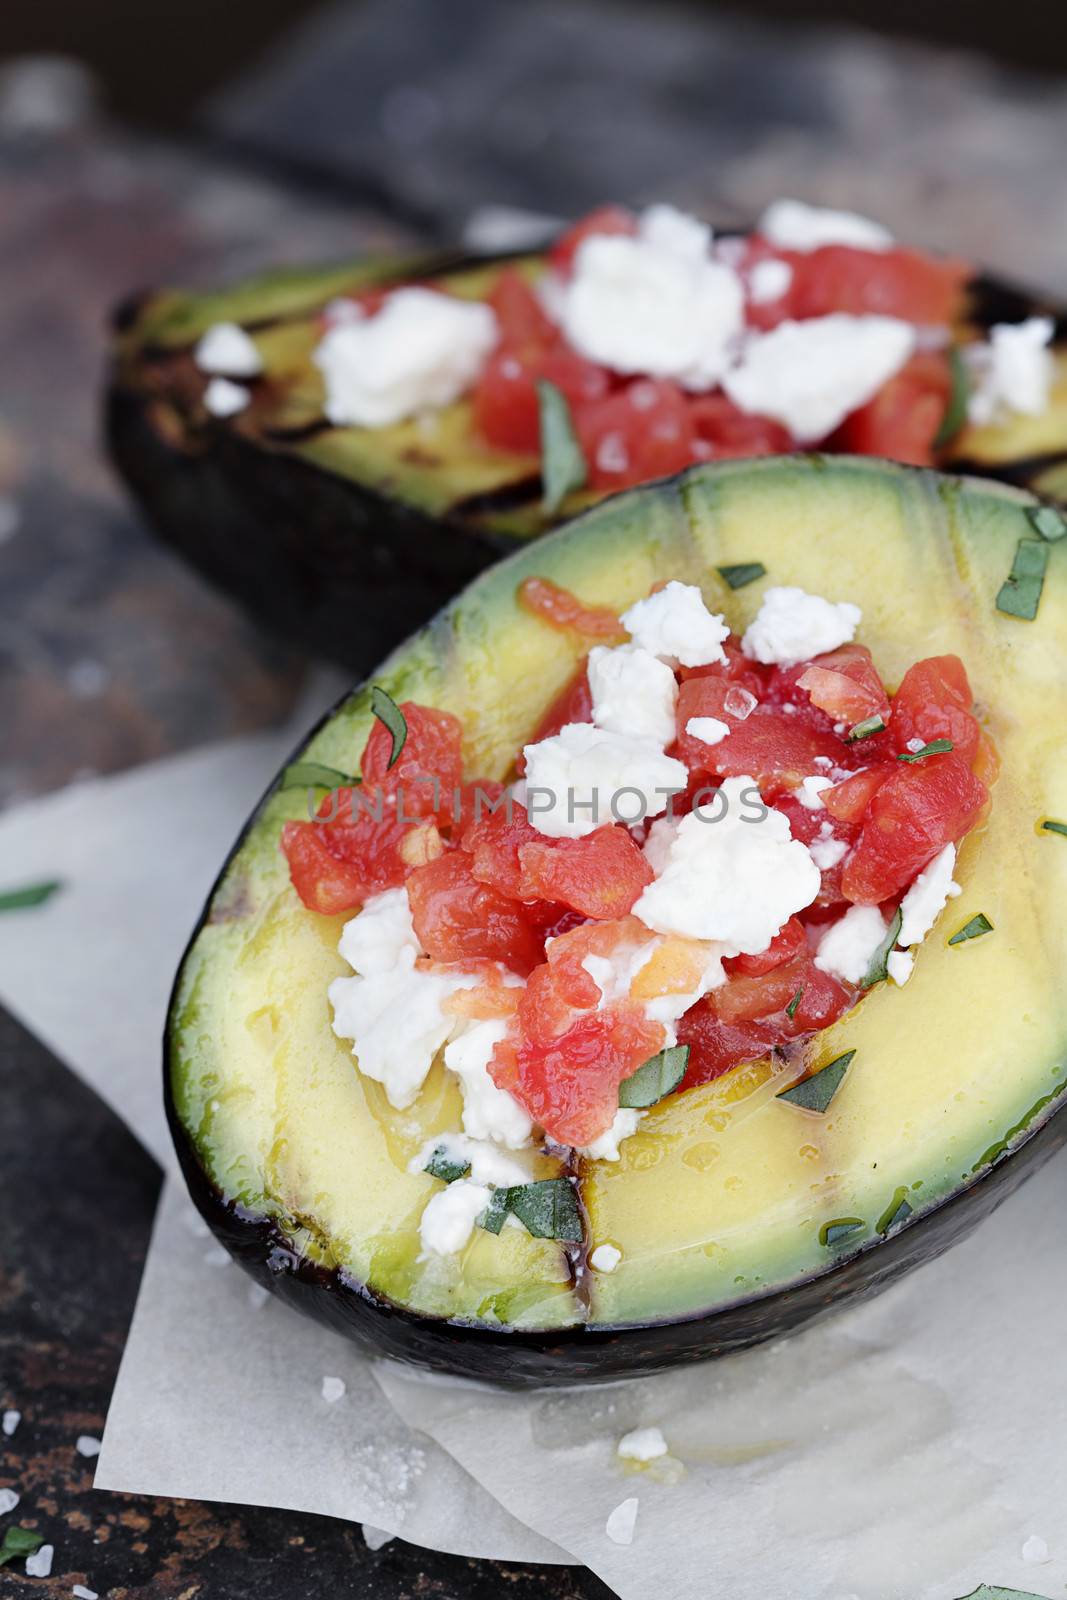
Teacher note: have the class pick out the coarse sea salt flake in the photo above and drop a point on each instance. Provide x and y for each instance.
(622, 1521)
(333, 1389)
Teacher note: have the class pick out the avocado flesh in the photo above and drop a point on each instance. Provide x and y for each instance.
(725, 1193)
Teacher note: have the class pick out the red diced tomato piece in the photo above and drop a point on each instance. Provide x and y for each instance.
(919, 808)
(790, 942)
(845, 684)
(600, 875)
(903, 419)
(849, 799)
(505, 407)
(744, 1020)
(918, 288)
(494, 840)
(723, 432)
(605, 219)
(711, 695)
(934, 702)
(567, 953)
(641, 432)
(561, 609)
(428, 771)
(337, 863)
(523, 322)
(459, 919)
(775, 749)
(716, 1046)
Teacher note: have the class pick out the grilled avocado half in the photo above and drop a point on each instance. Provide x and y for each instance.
(738, 1214)
(344, 538)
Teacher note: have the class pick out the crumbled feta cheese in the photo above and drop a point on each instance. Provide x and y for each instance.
(900, 964)
(622, 1522)
(654, 303)
(86, 1445)
(676, 624)
(657, 847)
(1035, 1550)
(606, 1147)
(642, 1444)
(605, 1258)
(227, 349)
(768, 281)
(487, 1161)
(422, 350)
(80, 1592)
(810, 792)
(811, 375)
(927, 897)
(8, 1501)
(583, 777)
(488, 1112)
(225, 399)
(39, 1564)
(734, 873)
(375, 939)
(826, 851)
(633, 692)
(792, 225)
(376, 1538)
(709, 730)
(449, 1217)
(793, 626)
(333, 1389)
(614, 974)
(10, 1422)
(848, 946)
(1014, 370)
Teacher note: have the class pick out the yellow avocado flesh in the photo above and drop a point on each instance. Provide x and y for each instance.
(726, 1191)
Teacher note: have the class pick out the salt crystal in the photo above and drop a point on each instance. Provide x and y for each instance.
(622, 1521)
(643, 1444)
(605, 1258)
(87, 1446)
(1035, 1550)
(374, 1538)
(10, 1421)
(39, 1565)
(332, 1389)
(80, 1592)
(8, 1501)
(739, 703)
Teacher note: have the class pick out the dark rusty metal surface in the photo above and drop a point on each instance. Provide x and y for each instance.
(77, 1195)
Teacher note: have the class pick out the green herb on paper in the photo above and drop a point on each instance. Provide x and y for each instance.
(834, 1232)
(1048, 522)
(448, 1168)
(33, 894)
(313, 775)
(974, 929)
(864, 729)
(816, 1092)
(563, 465)
(936, 747)
(744, 572)
(956, 411)
(1020, 593)
(989, 1591)
(18, 1543)
(656, 1078)
(791, 1008)
(878, 971)
(390, 715)
(1054, 827)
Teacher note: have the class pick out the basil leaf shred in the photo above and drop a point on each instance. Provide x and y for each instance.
(1020, 593)
(313, 775)
(18, 1543)
(390, 715)
(742, 573)
(878, 971)
(32, 894)
(816, 1092)
(656, 1078)
(974, 929)
(563, 467)
(447, 1168)
(936, 747)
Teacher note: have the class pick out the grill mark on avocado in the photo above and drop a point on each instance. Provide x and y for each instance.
(990, 301)
(512, 496)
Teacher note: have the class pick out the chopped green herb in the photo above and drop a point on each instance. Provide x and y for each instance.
(448, 1168)
(878, 971)
(1048, 522)
(563, 465)
(34, 894)
(1055, 827)
(548, 1209)
(973, 930)
(389, 713)
(816, 1092)
(833, 1232)
(864, 729)
(742, 573)
(897, 1211)
(1020, 593)
(791, 1008)
(18, 1543)
(936, 747)
(495, 1214)
(956, 410)
(990, 1591)
(313, 775)
(656, 1078)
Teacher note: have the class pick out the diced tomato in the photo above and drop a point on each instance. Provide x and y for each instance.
(747, 1018)
(459, 919)
(918, 288)
(775, 749)
(934, 702)
(505, 407)
(561, 609)
(723, 432)
(641, 432)
(919, 808)
(338, 863)
(605, 219)
(845, 684)
(711, 695)
(567, 953)
(524, 324)
(600, 875)
(786, 945)
(737, 669)
(849, 799)
(424, 779)
(494, 840)
(716, 1046)
(903, 419)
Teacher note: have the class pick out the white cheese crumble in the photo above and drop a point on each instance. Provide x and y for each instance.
(1035, 1550)
(449, 1217)
(606, 1147)
(333, 1389)
(657, 847)
(8, 1501)
(227, 349)
(826, 851)
(900, 964)
(622, 1522)
(10, 1422)
(676, 624)
(39, 1565)
(927, 897)
(583, 777)
(488, 1112)
(633, 692)
(734, 873)
(642, 1444)
(1014, 370)
(605, 1258)
(225, 399)
(768, 281)
(80, 1592)
(86, 1445)
(422, 350)
(376, 1538)
(793, 626)
(792, 225)
(811, 375)
(848, 946)
(487, 1162)
(709, 730)
(655, 303)
(810, 792)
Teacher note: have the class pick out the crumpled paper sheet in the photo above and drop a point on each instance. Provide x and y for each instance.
(910, 1447)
